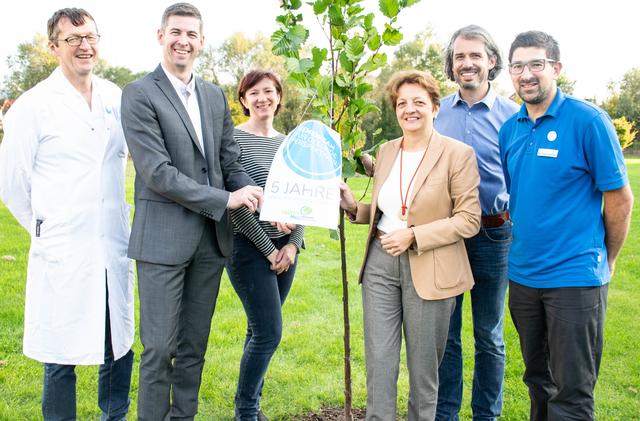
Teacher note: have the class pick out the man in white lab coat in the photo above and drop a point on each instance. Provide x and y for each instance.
(62, 163)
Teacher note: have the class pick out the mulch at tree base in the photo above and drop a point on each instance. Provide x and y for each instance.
(332, 414)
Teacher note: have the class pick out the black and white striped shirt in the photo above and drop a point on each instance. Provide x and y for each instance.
(257, 153)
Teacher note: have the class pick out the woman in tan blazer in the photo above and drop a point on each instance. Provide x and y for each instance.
(424, 204)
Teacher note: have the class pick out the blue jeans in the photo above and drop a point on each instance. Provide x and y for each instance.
(114, 380)
(262, 293)
(488, 252)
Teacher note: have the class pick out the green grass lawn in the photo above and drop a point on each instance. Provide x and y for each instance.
(307, 371)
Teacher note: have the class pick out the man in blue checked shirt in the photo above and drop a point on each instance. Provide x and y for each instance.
(571, 206)
(474, 115)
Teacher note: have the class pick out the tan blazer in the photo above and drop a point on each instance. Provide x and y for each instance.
(444, 209)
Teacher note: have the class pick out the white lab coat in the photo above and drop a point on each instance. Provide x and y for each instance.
(64, 164)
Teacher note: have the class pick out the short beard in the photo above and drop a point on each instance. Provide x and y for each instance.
(541, 97)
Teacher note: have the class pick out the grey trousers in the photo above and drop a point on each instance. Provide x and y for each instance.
(391, 305)
(176, 307)
(561, 338)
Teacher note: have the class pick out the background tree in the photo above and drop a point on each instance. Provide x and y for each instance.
(32, 63)
(566, 84)
(624, 129)
(625, 98)
(119, 75)
(336, 79)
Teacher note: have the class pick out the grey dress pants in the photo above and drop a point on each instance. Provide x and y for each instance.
(391, 305)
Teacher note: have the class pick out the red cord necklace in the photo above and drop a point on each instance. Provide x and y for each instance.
(403, 197)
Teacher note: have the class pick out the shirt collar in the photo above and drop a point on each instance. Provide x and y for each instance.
(552, 111)
(488, 100)
(179, 85)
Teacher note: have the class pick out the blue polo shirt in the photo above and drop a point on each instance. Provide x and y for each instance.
(556, 170)
(478, 127)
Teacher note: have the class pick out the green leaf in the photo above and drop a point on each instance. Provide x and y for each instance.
(284, 20)
(368, 21)
(354, 10)
(345, 63)
(299, 80)
(367, 108)
(408, 3)
(298, 66)
(297, 35)
(374, 42)
(391, 36)
(343, 81)
(281, 45)
(319, 56)
(348, 167)
(320, 6)
(295, 4)
(354, 48)
(389, 8)
(335, 16)
(323, 86)
(375, 62)
(363, 88)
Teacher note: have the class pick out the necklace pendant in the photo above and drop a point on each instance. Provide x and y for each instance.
(403, 214)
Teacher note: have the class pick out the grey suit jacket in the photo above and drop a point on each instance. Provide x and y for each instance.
(178, 186)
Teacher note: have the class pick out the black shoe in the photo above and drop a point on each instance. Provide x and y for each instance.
(261, 416)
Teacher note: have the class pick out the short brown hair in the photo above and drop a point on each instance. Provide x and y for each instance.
(180, 9)
(251, 79)
(415, 77)
(76, 16)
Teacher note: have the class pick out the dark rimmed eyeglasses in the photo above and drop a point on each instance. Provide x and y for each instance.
(76, 40)
(534, 66)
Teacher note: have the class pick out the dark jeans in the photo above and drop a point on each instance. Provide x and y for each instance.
(114, 380)
(488, 252)
(262, 293)
(561, 332)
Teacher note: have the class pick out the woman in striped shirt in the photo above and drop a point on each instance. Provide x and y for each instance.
(264, 257)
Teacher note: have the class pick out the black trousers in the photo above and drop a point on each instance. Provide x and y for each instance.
(561, 337)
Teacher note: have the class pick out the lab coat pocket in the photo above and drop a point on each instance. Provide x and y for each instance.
(50, 240)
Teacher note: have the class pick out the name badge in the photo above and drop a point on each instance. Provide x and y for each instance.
(549, 153)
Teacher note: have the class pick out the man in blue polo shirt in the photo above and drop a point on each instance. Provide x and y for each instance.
(474, 116)
(562, 159)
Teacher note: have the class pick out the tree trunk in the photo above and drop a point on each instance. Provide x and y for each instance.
(347, 327)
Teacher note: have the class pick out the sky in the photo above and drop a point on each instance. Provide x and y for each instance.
(598, 42)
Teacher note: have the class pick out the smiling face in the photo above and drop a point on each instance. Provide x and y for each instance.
(535, 88)
(261, 99)
(414, 109)
(471, 63)
(181, 41)
(75, 62)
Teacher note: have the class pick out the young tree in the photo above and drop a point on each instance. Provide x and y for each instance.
(335, 79)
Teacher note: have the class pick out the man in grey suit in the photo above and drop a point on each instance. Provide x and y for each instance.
(180, 135)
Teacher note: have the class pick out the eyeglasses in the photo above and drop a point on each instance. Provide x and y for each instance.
(76, 40)
(534, 66)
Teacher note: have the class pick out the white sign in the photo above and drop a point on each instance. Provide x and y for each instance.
(303, 183)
